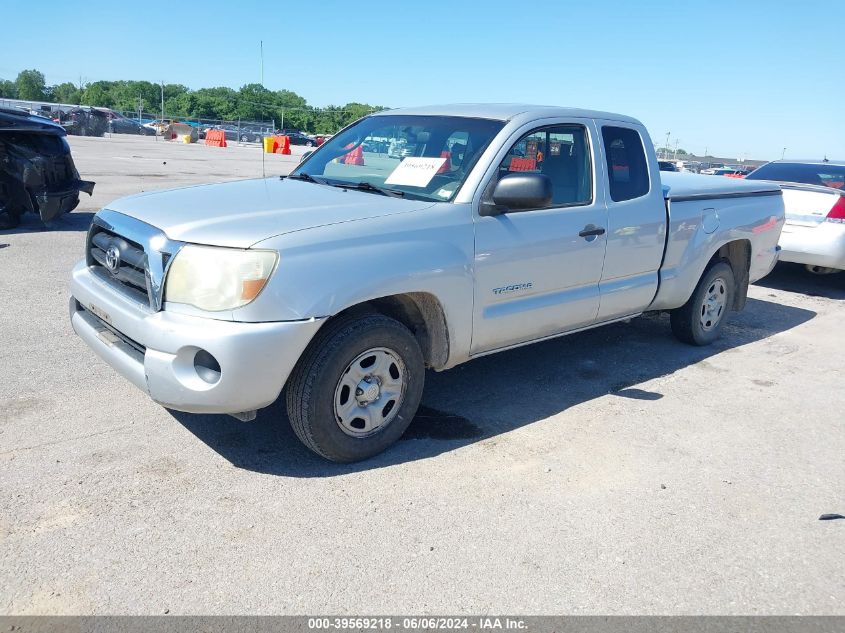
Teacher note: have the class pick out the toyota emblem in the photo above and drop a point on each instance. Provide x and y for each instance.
(113, 259)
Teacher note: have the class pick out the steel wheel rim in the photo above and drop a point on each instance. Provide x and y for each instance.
(714, 304)
(370, 392)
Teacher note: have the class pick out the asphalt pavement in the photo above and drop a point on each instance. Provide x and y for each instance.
(615, 471)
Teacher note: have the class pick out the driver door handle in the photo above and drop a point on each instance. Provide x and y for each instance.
(591, 230)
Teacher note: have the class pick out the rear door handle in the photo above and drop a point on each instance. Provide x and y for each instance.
(591, 230)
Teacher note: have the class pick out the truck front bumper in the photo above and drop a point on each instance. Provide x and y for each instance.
(187, 363)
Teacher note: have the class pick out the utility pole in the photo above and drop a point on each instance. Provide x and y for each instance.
(140, 108)
(162, 103)
(666, 146)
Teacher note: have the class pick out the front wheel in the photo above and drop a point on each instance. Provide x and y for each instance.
(700, 320)
(356, 388)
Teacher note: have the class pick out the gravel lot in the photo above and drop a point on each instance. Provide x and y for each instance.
(614, 471)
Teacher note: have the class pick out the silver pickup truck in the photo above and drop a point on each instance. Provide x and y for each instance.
(495, 226)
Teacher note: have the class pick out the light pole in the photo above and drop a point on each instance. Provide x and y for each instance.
(675, 154)
(261, 46)
(783, 153)
(666, 146)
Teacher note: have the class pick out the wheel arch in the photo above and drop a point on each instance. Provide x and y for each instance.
(737, 254)
(421, 312)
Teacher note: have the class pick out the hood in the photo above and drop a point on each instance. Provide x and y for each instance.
(240, 213)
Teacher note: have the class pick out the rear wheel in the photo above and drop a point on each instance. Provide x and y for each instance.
(356, 388)
(700, 320)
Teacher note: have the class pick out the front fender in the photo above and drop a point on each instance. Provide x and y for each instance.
(325, 270)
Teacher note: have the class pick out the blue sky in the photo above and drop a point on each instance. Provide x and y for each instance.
(739, 78)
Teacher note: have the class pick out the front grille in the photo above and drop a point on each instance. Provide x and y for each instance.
(130, 276)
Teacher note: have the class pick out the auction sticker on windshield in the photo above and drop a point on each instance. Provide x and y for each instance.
(415, 171)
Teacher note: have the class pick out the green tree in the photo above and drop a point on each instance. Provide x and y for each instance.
(252, 102)
(66, 93)
(98, 94)
(126, 94)
(30, 85)
(214, 103)
(8, 89)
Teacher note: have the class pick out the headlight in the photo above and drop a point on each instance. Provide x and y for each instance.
(215, 279)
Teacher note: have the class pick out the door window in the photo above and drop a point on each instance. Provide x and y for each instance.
(626, 164)
(560, 152)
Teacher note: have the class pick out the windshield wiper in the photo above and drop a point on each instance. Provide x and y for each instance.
(306, 178)
(366, 186)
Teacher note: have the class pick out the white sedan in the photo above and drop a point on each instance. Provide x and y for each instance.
(814, 196)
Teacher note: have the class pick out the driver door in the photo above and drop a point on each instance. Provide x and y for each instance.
(537, 271)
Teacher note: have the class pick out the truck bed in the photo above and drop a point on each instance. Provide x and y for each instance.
(680, 186)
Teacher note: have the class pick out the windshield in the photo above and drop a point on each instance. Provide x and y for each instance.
(424, 157)
(822, 174)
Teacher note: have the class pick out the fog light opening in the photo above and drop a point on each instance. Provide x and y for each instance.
(207, 367)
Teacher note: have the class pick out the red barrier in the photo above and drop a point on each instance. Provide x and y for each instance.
(447, 164)
(522, 164)
(215, 138)
(355, 157)
(281, 145)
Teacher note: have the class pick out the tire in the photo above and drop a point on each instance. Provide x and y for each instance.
(700, 320)
(821, 270)
(309, 144)
(329, 387)
(9, 219)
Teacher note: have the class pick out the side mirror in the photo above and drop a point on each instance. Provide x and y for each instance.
(520, 192)
(306, 155)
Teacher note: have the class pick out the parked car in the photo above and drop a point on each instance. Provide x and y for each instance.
(731, 172)
(398, 148)
(814, 196)
(299, 138)
(666, 165)
(342, 284)
(709, 168)
(119, 124)
(84, 121)
(254, 134)
(37, 172)
(231, 133)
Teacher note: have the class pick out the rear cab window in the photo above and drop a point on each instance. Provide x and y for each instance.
(627, 168)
